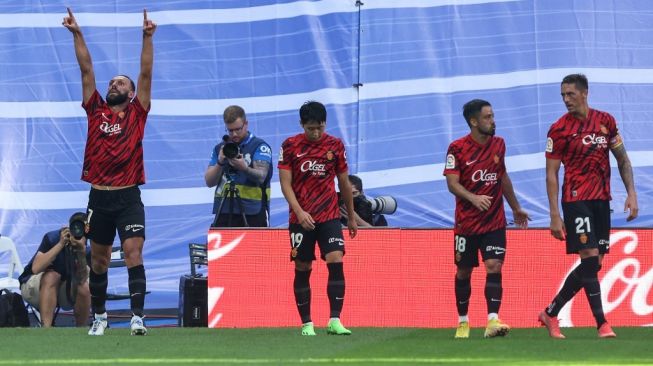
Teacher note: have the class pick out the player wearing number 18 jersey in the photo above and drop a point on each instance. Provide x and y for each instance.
(580, 140)
(476, 175)
(308, 163)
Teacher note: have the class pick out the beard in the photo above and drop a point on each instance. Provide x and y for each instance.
(116, 98)
(489, 132)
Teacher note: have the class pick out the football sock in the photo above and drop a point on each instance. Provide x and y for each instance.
(97, 284)
(137, 289)
(302, 288)
(463, 289)
(593, 288)
(493, 292)
(336, 288)
(573, 284)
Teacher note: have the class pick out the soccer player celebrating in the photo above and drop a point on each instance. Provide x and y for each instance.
(476, 174)
(580, 140)
(113, 165)
(308, 163)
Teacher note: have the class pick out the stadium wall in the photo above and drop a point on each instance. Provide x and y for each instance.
(404, 278)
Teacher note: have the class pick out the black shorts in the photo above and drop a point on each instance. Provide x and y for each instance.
(120, 209)
(466, 247)
(327, 234)
(588, 225)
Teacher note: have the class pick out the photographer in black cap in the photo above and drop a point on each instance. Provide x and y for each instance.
(241, 168)
(58, 273)
(366, 216)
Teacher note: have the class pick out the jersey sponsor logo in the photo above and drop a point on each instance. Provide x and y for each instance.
(485, 176)
(595, 139)
(451, 162)
(549, 145)
(110, 129)
(313, 166)
(265, 150)
(134, 228)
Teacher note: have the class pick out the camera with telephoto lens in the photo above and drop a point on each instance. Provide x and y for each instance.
(77, 225)
(231, 150)
(386, 205)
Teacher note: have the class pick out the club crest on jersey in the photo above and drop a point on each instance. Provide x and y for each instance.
(604, 129)
(458, 257)
(583, 238)
(496, 159)
(329, 155)
(110, 129)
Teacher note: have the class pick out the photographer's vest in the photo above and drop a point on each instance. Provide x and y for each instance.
(255, 197)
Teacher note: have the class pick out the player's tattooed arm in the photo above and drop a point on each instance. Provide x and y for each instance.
(626, 172)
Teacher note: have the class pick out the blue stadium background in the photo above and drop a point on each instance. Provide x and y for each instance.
(415, 64)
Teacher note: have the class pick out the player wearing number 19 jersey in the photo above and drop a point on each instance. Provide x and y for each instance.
(476, 175)
(580, 140)
(308, 163)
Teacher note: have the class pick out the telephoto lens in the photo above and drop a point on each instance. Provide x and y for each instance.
(230, 149)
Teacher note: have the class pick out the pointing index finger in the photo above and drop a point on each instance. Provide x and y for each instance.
(70, 12)
(145, 14)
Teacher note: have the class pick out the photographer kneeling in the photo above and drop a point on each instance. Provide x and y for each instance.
(58, 273)
(369, 212)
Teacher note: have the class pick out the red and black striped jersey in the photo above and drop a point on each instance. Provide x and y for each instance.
(114, 143)
(480, 169)
(314, 166)
(583, 148)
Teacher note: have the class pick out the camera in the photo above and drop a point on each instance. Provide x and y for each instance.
(231, 150)
(77, 225)
(383, 205)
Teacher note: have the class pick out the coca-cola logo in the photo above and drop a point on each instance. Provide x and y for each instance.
(626, 284)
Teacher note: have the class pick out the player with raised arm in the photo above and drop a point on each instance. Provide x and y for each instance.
(113, 165)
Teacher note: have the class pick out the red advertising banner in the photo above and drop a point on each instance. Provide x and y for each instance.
(405, 278)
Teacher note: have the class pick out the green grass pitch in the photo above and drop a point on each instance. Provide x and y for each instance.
(284, 346)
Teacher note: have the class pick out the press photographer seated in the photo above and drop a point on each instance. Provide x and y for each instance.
(58, 273)
(369, 212)
(241, 168)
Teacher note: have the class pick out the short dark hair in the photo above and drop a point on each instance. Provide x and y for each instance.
(472, 108)
(232, 113)
(131, 82)
(312, 111)
(579, 80)
(77, 216)
(356, 182)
